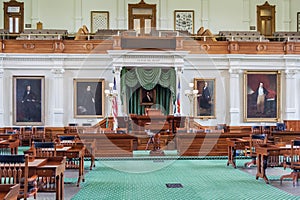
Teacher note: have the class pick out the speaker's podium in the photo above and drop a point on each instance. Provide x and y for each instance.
(153, 129)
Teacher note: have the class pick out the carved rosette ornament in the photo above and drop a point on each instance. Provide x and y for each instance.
(261, 47)
(88, 46)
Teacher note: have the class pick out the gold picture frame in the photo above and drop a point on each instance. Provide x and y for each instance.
(88, 98)
(298, 21)
(28, 100)
(145, 101)
(205, 103)
(184, 20)
(99, 20)
(261, 105)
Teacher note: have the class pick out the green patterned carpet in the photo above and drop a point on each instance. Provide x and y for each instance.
(147, 179)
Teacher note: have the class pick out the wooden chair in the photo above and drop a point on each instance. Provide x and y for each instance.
(39, 134)
(11, 190)
(89, 152)
(44, 149)
(293, 161)
(72, 128)
(26, 136)
(67, 140)
(14, 170)
(256, 130)
(255, 140)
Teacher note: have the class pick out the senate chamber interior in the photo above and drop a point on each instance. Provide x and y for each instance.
(149, 99)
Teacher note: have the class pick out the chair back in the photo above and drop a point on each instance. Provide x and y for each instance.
(256, 140)
(67, 140)
(44, 149)
(295, 154)
(26, 135)
(39, 134)
(14, 170)
(256, 130)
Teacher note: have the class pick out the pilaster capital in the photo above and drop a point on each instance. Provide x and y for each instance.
(58, 71)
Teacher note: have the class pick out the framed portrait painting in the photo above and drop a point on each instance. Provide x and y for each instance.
(88, 98)
(298, 21)
(147, 97)
(261, 96)
(99, 20)
(28, 100)
(184, 20)
(205, 103)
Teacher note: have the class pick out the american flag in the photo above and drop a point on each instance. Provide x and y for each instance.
(178, 97)
(115, 106)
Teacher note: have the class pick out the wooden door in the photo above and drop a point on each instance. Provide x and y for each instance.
(266, 19)
(142, 17)
(13, 16)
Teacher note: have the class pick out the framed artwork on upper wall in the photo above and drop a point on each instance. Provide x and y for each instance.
(298, 21)
(184, 20)
(28, 100)
(261, 96)
(205, 103)
(99, 20)
(88, 98)
(147, 97)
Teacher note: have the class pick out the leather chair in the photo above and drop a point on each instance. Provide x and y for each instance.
(13, 172)
(255, 140)
(44, 149)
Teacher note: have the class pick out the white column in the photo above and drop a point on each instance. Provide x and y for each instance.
(57, 95)
(2, 99)
(286, 4)
(246, 14)
(78, 15)
(121, 19)
(34, 13)
(205, 14)
(289, 95)
(235, 90)
(117, 72)
(163, 20)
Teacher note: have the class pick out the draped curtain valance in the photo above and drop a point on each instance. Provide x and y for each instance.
(148, 78)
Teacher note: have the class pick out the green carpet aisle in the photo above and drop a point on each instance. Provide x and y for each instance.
(147, 179)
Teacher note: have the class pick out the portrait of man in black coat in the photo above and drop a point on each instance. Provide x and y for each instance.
(205, 98)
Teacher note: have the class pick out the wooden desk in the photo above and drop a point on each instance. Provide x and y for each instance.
(71, 152)
(11, 144)
(233, 145)
(263, 152)
(74, 152)
(54, 166)
(204, 144)
(9, 191)
(166, 122)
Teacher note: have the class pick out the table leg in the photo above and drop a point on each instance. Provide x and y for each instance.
(62, 185)
(82, 168)
(57, 185)
(262, 163)
(79, 172)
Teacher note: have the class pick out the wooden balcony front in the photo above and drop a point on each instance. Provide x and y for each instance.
(191, 45)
